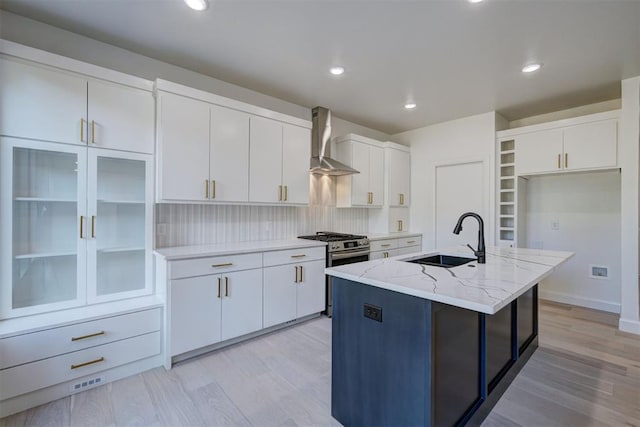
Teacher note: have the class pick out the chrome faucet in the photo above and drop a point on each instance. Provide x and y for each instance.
(480, 253)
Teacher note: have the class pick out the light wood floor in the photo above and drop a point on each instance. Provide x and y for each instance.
(584, 373)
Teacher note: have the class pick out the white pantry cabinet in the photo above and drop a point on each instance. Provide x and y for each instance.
(365, 189)
(583, 146)
(44, 103)
(203, 151)
(279, 159)
(76, 225)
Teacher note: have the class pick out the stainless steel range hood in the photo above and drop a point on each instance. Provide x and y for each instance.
(321, 161)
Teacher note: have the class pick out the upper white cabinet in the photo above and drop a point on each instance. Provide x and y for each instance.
(365, 189)
(583, 146)
(279, 158)
(398, 168)
(214, 149)
(42, 103)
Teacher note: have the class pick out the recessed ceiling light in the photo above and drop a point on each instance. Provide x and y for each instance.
(474, 1)
(198, 5)
(530, 68)
(336, 71)
(410, 106)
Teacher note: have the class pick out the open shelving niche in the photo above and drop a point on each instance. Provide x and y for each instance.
(511, 196)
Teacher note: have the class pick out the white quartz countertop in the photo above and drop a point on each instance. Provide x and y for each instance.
(185, 252)
(487, 288)
(401, 235)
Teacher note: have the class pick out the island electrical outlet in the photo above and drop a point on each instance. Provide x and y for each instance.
(373, 312)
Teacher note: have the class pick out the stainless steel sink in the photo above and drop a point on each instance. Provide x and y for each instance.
(442, 260)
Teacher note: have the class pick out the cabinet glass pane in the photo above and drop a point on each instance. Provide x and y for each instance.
(120, 225)
(45, 227)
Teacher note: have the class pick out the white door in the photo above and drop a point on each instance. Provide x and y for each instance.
(460, 188)
(538, 152)
(40, 103)
(241, 303)
(376, 175)
(183, 149)
(265, 161)
(399, 177)
(311, 288)
(120, 224)
(279, 284)
(591, 145)
(229, 162)
(360, 181)
(43, 222)
(120, 117)
(296, 152)
(194, 313)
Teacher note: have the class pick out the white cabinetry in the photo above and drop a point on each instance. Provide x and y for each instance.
(46, 104)
(294, 284)
(394, 215)
(206, 309)
(390, 247)
(584, 146)
(365, 189)
(279, 157)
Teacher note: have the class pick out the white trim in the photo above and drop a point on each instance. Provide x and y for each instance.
(629, 325)
(360, 138)
(596, 304)
(67, 64)
(590, 118)
(178, 89)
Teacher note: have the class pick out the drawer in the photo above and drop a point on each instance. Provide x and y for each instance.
(292, 256)
(214, 265)
(44, 373)
(409, 241)
(52, 342)
(409, 250)
(383, 254)
(384, 245)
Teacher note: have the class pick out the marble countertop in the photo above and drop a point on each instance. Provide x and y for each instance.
(487, 288)
(185, 252)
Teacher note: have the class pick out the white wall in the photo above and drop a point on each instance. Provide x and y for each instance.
(629, 156)
(586, 208)
(468, 139)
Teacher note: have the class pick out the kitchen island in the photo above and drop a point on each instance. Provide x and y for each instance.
(417, 344)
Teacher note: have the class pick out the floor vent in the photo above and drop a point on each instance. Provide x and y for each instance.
(87, 383)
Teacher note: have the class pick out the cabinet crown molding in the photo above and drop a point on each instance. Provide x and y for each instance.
(589, 118)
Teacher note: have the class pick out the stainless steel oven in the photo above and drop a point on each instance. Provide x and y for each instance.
(341, 249)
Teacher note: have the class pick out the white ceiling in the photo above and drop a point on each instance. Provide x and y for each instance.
(451, 57)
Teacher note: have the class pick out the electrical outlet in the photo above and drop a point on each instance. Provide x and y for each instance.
(373, 312)
(599, 272)
(555, 224)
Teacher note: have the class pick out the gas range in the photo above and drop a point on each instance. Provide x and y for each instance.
(340, 242)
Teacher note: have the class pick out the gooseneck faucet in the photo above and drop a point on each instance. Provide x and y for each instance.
(480, 253)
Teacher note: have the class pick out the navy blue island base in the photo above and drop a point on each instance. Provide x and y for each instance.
(400, 360)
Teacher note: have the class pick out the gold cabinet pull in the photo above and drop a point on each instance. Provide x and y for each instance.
(286, 193)
(401, 199)
(399, 225)
(410, 241)
(385, 255)
(81, 227)
(386, 245)
(566, 160)
(93, 131)
(372, 197)
(84, 337)
(279, 192)
(93, 226)
(296, 280)
(226, 286)
(206, 188)
(213, 188)
(301, 274)
(299, 256)
(81, 130)
(559, 166)
(219, 287)
(90, 362)
(226, 264)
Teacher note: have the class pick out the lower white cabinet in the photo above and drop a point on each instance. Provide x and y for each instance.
(292, 291)
(208, 309)
(387, 248)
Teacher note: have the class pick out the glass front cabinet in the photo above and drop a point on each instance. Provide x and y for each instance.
(75, 225)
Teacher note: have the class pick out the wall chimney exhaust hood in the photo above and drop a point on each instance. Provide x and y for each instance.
(321, 161)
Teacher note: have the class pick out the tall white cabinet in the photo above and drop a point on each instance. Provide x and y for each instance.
(76, 219)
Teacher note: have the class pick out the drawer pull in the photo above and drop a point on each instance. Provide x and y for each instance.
(385, 245)
(410, 241)
(299, 256)
(301, 275)
(84, 337)
(226, 286)
(219, 286)
(90, 362)
(226, 264)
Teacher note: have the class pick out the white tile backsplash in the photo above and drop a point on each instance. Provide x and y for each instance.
(203, 224)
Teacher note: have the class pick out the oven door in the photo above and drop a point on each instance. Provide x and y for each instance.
(341, 258)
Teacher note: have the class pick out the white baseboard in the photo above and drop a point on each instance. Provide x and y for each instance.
(629, 325)
(611, 307)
